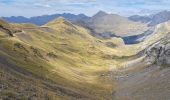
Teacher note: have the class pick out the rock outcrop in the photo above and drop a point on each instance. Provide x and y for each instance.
(5, 27)
(115, 42)
(159, 53)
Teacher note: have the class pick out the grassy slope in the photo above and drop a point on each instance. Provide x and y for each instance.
(61, 61)
(64, 58)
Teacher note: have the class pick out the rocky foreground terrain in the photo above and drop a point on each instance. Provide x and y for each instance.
(147, 77)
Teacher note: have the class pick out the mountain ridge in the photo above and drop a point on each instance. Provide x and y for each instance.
(62, 60)
(153, 19)
(41, 20)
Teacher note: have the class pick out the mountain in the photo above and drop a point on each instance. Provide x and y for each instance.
(19, 19)
(102, 23)
(159, 27)
(146, 74)
(153, 19)
(41, 20)
(137, 18)
(62, 60)
(100, 14)
(59, 60)
(158, 53)
(160, 18)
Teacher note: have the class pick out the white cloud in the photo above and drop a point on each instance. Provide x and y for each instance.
(42, 5)
(123, 7)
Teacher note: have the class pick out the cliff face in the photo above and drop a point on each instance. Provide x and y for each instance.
(159, 53)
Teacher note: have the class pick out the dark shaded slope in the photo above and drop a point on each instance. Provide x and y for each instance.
(137, 38)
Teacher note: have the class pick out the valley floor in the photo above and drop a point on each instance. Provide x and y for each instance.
(141, 82)
(135, 82)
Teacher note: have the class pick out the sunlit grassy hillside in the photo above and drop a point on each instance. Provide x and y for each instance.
(63, 59)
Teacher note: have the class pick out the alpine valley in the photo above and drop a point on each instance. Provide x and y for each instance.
(77, 57)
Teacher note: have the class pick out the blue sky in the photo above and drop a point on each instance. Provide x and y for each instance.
(30, 8)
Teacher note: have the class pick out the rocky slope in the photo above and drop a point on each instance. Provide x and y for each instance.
(147, 77)
(159, 52)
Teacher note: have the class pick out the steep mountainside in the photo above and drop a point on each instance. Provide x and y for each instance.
(59, 60)
(147, 76)
(150, 36)
(158, 53)
(111, 23)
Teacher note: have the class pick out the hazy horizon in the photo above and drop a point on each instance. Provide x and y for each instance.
(88, 7)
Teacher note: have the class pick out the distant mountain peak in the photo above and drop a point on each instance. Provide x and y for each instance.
(60, 19)
(101, 13)
(61, 22)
